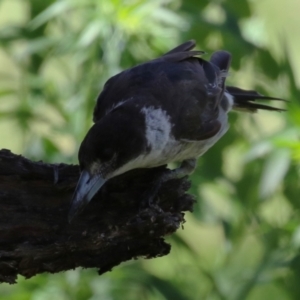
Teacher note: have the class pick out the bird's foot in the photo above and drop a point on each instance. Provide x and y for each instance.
(56, 173)
(150, 197)
(187, 167)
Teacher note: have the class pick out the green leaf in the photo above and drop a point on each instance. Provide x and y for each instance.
(51, 12)
(274, 170)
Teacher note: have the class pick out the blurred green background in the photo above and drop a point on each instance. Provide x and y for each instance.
(243, 239)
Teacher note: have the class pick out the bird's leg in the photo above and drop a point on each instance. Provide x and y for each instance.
(186, 168)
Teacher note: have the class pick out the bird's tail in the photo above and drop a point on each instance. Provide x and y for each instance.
(246, 100)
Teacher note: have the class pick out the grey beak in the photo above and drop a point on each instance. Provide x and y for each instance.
(87, 186)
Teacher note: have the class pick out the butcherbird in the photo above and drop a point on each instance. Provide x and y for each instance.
(173, 108)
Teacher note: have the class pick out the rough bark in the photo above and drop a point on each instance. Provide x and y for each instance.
(35, 236)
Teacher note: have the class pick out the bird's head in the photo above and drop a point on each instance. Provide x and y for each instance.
(110, 148)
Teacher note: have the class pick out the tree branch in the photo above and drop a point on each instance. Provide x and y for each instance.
(35, 236)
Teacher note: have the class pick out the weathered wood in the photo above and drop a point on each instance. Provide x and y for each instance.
(35, 236)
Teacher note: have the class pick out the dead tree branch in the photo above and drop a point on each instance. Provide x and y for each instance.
(35, 236)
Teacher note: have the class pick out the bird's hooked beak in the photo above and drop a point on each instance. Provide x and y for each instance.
(87, 186)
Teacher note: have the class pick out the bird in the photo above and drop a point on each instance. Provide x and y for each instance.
(170, 109)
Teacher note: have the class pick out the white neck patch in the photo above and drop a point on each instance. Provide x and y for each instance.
(158, 127)
(158, 135)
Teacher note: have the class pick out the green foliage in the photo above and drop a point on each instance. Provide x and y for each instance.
(243, 239)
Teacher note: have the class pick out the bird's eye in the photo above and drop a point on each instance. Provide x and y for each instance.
(107, 154)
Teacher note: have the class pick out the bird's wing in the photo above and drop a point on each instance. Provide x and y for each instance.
(136, 81)
(200, 97)
(187, 87)
(187, 46)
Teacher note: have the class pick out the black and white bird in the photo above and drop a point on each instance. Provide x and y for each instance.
(173, 108)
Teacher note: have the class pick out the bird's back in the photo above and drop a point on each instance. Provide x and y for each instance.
(179, 83)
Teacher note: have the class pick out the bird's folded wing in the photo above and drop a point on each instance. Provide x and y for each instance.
(132, 82)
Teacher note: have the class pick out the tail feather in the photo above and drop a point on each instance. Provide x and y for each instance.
(245, 100)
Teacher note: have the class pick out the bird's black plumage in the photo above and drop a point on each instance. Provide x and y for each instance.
(173, 108)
